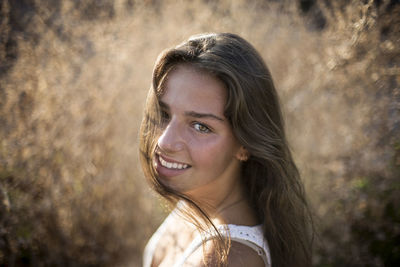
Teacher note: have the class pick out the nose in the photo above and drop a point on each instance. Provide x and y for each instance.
(171, 140)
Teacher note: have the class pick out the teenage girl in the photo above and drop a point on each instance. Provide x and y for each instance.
(212, 143)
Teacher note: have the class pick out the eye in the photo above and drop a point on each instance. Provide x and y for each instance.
(201, 127)
(164, 116)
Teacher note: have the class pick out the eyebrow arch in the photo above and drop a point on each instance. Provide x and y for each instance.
(203, 115)
(194, 114)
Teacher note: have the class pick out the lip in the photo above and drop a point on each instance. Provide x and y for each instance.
(164, 171)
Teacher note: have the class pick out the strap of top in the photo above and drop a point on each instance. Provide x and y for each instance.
(251, 236)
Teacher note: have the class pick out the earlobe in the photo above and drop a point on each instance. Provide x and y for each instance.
(242, 154)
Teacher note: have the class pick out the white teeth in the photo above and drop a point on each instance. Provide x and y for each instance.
(171, 165)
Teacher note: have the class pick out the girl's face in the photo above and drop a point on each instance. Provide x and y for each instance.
(197, 153)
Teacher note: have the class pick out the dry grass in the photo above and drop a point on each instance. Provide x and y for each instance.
(74, 76)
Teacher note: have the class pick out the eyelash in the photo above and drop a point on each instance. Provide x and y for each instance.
(206, 130)
(164, 116)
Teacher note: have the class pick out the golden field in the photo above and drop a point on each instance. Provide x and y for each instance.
(73, 80)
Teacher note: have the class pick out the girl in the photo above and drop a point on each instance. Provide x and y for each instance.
(212, 143)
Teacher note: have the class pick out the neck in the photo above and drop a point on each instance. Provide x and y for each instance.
(234, 208)
(225, 202)
(220, 192)
(226, 206)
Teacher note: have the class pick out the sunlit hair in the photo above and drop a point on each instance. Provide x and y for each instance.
(272, 181)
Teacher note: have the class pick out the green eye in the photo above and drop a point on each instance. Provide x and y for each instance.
(201, 128)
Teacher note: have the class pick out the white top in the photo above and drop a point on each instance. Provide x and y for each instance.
(251, 236)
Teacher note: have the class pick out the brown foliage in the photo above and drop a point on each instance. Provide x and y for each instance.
(73, 79)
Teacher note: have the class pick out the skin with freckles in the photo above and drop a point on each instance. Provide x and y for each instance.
(197, 135)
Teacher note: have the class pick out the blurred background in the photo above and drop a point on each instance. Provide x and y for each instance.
(73, 81)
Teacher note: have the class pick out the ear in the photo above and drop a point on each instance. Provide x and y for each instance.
(242, 154)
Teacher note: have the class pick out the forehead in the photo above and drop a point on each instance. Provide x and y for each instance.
(193, 89)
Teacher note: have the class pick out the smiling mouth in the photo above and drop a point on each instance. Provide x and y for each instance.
(172, 165)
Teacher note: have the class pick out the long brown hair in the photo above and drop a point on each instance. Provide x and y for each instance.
(270, 175)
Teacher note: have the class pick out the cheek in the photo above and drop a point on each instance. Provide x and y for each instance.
(212, 151)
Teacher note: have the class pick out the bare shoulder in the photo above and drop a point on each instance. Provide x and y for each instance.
(241, 255)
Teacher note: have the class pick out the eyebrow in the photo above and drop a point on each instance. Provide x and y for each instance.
(203, 115)
(195, 114)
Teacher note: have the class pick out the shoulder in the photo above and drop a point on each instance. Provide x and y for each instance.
(242, 255)
(239, 255)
